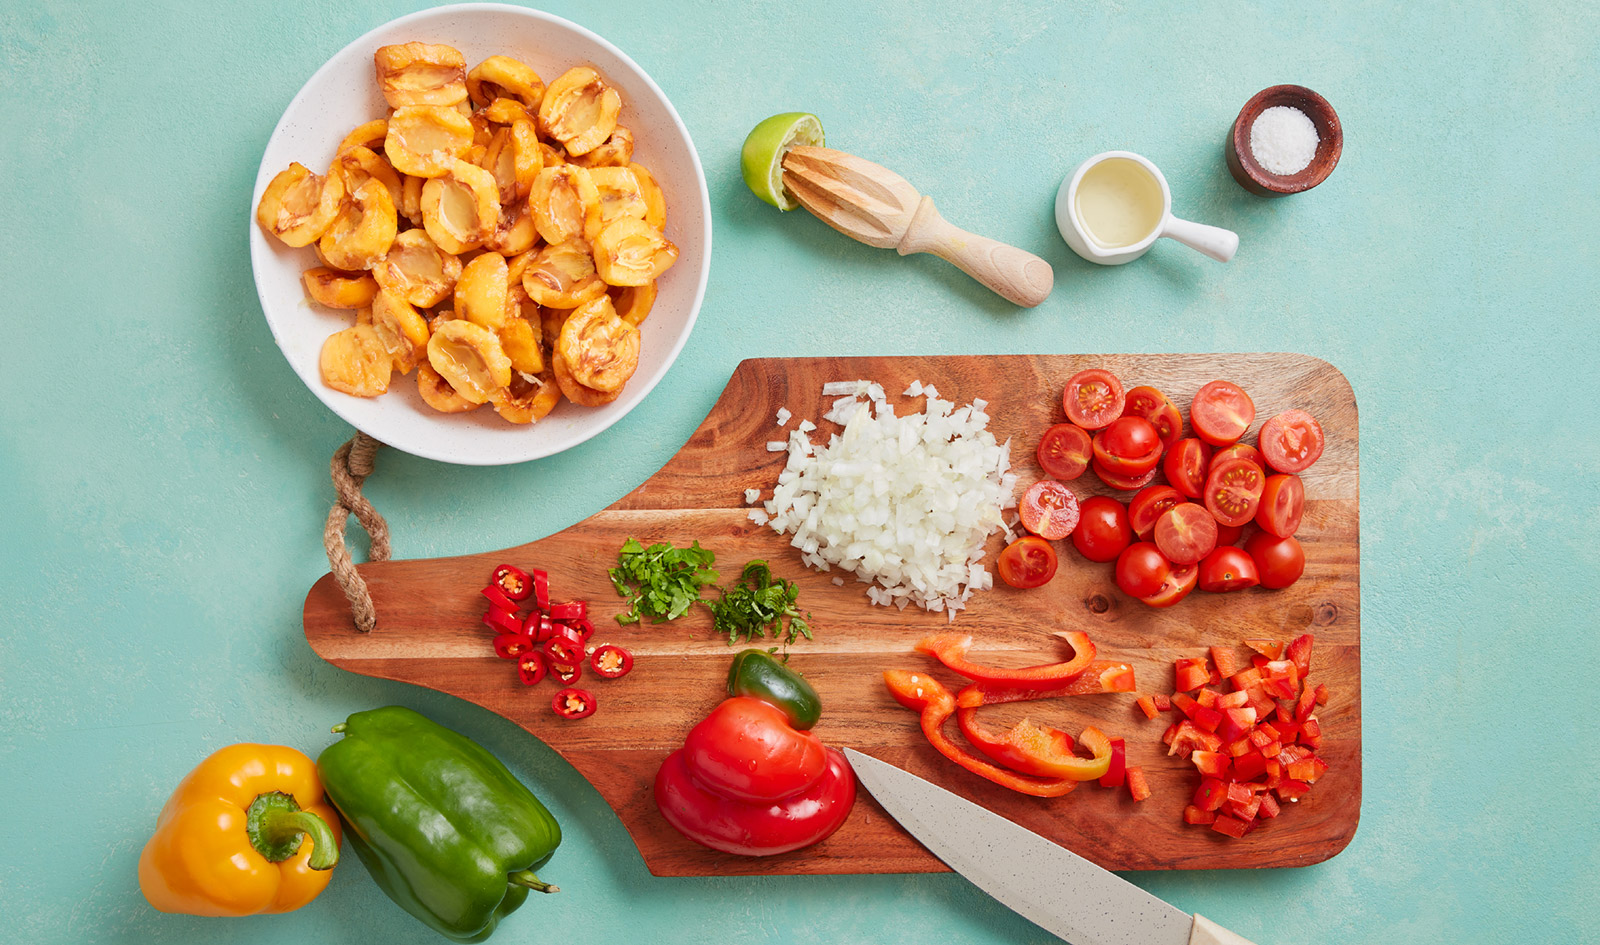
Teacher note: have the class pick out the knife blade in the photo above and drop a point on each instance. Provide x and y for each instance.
(1044, 882)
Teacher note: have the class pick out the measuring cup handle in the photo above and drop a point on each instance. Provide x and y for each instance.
(1016, 275)
(1214, 241)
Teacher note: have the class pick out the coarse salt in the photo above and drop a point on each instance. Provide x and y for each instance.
(1283, 140)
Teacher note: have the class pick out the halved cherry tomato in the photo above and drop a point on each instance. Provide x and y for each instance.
(1221, 413)
(1283, 502)
(1291, 441)
(1228, 534)
(1279, 561)
(1142, 569)
(1093, 398)
(1130, 446)
(1242, 450)
(1233, 490)
(1186, 533)
(1228, 569)
(1103, 529)
(1148, 506)
(1027, 562)
(1049, 510)
(1065, 450)
(1179, 582)
(1151, 404)
(1124, 483)
(611, 661)
(1185, 464)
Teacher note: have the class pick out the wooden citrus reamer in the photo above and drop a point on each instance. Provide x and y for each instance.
(872, 204)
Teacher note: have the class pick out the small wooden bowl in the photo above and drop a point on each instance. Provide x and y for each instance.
(1257, 179)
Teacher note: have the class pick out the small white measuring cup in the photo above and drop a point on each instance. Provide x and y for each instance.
(1214, 241)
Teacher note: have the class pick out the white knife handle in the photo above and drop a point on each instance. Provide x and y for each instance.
(1207, 932)
(1018, 276)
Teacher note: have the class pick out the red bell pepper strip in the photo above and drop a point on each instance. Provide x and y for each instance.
(1138, 787)
(1100, 677)
(502, 622)
(509, 646)
(611, 661)
(951, 650)
(935, 705)
(541, 589)
(530, 668)
(1118, 771)
(574, 703)
(513, 582)
(1039, 750)
(498, 600)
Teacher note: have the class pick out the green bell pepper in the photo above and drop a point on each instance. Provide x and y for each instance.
(756, 674)
(445, 830)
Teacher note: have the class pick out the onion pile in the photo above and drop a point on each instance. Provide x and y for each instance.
(905, 503)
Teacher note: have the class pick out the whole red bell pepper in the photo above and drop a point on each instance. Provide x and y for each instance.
(951, 650)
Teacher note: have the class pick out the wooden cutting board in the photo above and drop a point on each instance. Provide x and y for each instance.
(430, 634)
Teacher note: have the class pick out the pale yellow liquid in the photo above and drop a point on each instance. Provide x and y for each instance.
(1119, 202)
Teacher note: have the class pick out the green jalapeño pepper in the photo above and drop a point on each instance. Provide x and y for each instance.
(756, 674)
(445, 830)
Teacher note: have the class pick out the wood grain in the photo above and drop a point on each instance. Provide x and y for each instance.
(429, 632)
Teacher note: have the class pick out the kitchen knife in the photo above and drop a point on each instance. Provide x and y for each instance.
(1046, 883)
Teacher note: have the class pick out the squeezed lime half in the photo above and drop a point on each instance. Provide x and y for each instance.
(762, 156)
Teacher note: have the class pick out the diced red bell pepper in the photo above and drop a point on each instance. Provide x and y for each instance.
(512, 581)
(1100, 677)
(1245, 811)
(1259, 661)
(1244, 679)
(1259, 738)
(1311, 733)
(1271, 649)
(1118, 771)
(1236, 723)
(1269, 807)
(509, 646)
(1322, 694)
(1270, 749)
(1232, 826)
(1191, 673)
(1238, 747)
(951, 650)
(1306, 705)
(1279, 687)
(1185, 703)
(1163, 703)
(1206, 697)
(1227, 660)
(1260, 701)
(1194, 815)
(1211, 764)
(1249, 766)
(498, 600)
(574, 703)
(1292, 790)
(1240, 793)
(530, 668)
(1138, 787)
(1147, 705)
(1233, 700)
(1299, 650)
(502, 621)
(1038, 750)
(1210, 795)
(934, 704)
(1187, 738)
(1207, 719)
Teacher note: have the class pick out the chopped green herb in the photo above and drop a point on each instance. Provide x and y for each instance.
(661, 582)
(759, 606)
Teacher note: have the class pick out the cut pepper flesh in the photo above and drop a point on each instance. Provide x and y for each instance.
(1101, 676)
(1038, 749)
(951, 650)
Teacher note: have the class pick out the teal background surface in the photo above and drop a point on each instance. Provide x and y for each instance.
(166, 473)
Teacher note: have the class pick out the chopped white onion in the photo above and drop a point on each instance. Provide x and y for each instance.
(752, 496)
(776, 446)
(783, 415)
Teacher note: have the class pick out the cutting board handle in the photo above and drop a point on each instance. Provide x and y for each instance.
(1016, 275)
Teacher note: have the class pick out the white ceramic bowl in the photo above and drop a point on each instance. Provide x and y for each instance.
(343, 94)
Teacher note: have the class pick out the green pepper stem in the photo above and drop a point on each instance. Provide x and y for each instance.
(528, 879)
(276, 824)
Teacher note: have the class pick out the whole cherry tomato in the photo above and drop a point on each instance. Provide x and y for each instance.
(1151, 404)
(1221, 413)
(1291, 441)
(1233, 490)
(1093, 398)
(1228, 534)
(1049, 510)
(1142, 569)
(1027, 562)
(759, 828)
(746, 749)
(1065, 450)
(1283, 502)
(1186, 533)
(1148, 506)
(1130, 446)
(1279, 561)
(1103, 529)
(1185, 464)
(1228, 569)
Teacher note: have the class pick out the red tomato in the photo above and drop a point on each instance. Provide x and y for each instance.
(1151, 404)
(1064, 451)
(1291, 441)
(1027, 562)
(1148, 506)
(1228, 534)
(1179, 582)
(1221, 413)
(1049, 510)
(1228, 569)
(1093, 398)
(1124, 483)
(1186, 533)
(1279, 561)
(1283, 501)
(1142, 570)
(1102, 530)
(1130, 446)
(755, 828)
(1241, 450)
(1233, 490)
(746, 749)
(1185, 465)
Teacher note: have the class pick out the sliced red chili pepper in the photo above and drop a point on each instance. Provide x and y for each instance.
(509, 646)
(569, 610)
(1039, 750)
(530, 668)
(1101, 676)
(498, 600)
(1118, 772)
(951, 650)
(582, 627)
(573, 703)
(611, 661)
(935, 705)
(541, 589)
(513, 582)
(563, 650)
(501, 621)
(545, 628)
(566, 674)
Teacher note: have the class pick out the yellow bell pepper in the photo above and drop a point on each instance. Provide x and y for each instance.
(246, 832)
